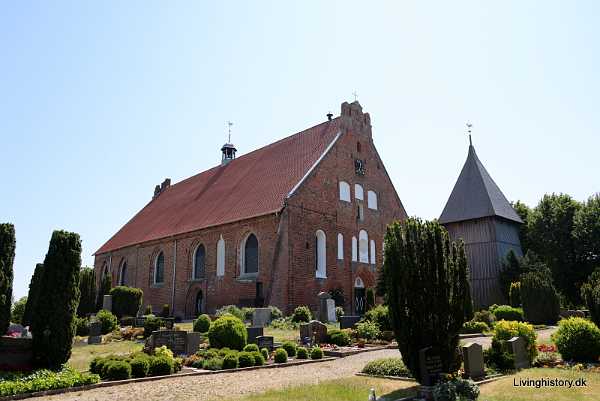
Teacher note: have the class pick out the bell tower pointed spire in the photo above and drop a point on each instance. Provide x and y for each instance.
(228, 150)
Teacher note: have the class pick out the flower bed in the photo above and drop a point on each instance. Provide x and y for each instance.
(42, 380)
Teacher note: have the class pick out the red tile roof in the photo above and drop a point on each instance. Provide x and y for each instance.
(252, 185)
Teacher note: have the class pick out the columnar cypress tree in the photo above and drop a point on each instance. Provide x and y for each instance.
(34, 291)
(53, 323)
(541, 304)
(7, 258)
(105, 286)
(427, 290)
(87, 289)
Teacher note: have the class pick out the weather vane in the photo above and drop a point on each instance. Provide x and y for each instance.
(469, 125)
(355, 96)
(229, 124)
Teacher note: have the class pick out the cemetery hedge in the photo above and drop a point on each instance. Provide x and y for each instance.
(427, 290)
(53, 322)
(386, 367)
(507, 312)
(43, 380)
(137, 364)
(577, 339)
(7, 258)
(126, 301)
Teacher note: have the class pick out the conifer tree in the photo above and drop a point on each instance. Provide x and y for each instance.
(87, 289)
(105, 286)
(7, 258)
(34, 291)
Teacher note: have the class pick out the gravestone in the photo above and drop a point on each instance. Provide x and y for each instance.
(348, 322)
(139, 321)
(194, 339)
(95, 333)
(323, 297)
(265, 342)
(314, 330)
(430, 366)
(175, 340)
(473, 360)
(331, 316)
(254, 332)
(16, 354)
(107, 303)
(261, 317)
(518, 349)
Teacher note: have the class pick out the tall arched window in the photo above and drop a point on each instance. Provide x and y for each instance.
(199, 262)
(221, 257)
(372, 252)
(320, 254)
(340, 246)
(345, 191)
(354, 249)
(358, 192)
(159, 269)
(372, 198)
(123, 273)
(363, 246)
(105, 269)
(249, 259)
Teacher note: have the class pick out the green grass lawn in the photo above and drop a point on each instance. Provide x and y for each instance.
(82, 353)
(350, 389)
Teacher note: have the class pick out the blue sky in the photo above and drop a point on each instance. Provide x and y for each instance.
(100, 101)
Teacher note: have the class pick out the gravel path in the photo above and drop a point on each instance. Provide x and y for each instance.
(486, 342)
(212, 387)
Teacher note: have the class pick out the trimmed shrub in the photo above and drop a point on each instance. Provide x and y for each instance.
(53, 323)
(485, 316)
(339, 312)
(380, 315)
(316, 353)
(87, 290)
(339, 337)
(280, 356)
(590, 293)
(265, 353)
(301, 314)
(367, 330)
(178, 364)
(258, 358)
(230, 361)
(276, 313)
(228, 331)
(151, 323)
(126, 301)
(498, 358)
(247, 312)
(212, 364)
(82, 329)
(514, 294)
(34, 291)
(245, 359)
(578, 340)
(507, 312)
(251, 348)
(118, 370)
(231, 310)
(472, 327)
(8, 243)
(163, 351)
(541, 303)
(301, 353)
(456, 389)
(202, 324)
(139, 367)
(108, 321)
(160, 366)
(505, 330)
(386, 367)
(290, 347)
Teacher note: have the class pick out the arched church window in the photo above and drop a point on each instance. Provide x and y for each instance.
(320, 255)
(221, 257)
(340, 248)
(159, 269)
(249, 259)
(345, 191)
(123, 273)
(372, 198)
(372, 252)
(354, 249)
(358, 192)
(199, 262)
(363, 246)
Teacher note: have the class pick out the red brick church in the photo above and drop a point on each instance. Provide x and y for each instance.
(275, 226)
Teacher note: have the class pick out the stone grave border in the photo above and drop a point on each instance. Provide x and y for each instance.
(342, 354)
(155, 378)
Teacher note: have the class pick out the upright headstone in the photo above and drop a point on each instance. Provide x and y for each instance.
(473, 360)
(194, 339)
(314, 330)
(261, 317)
(518, 349)
(107, 303)
(265, 342)
(254, 332)
(95, 334)
(330, 305)
(348, 322)
(430, 365)
(323, 297)
(175, 340)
